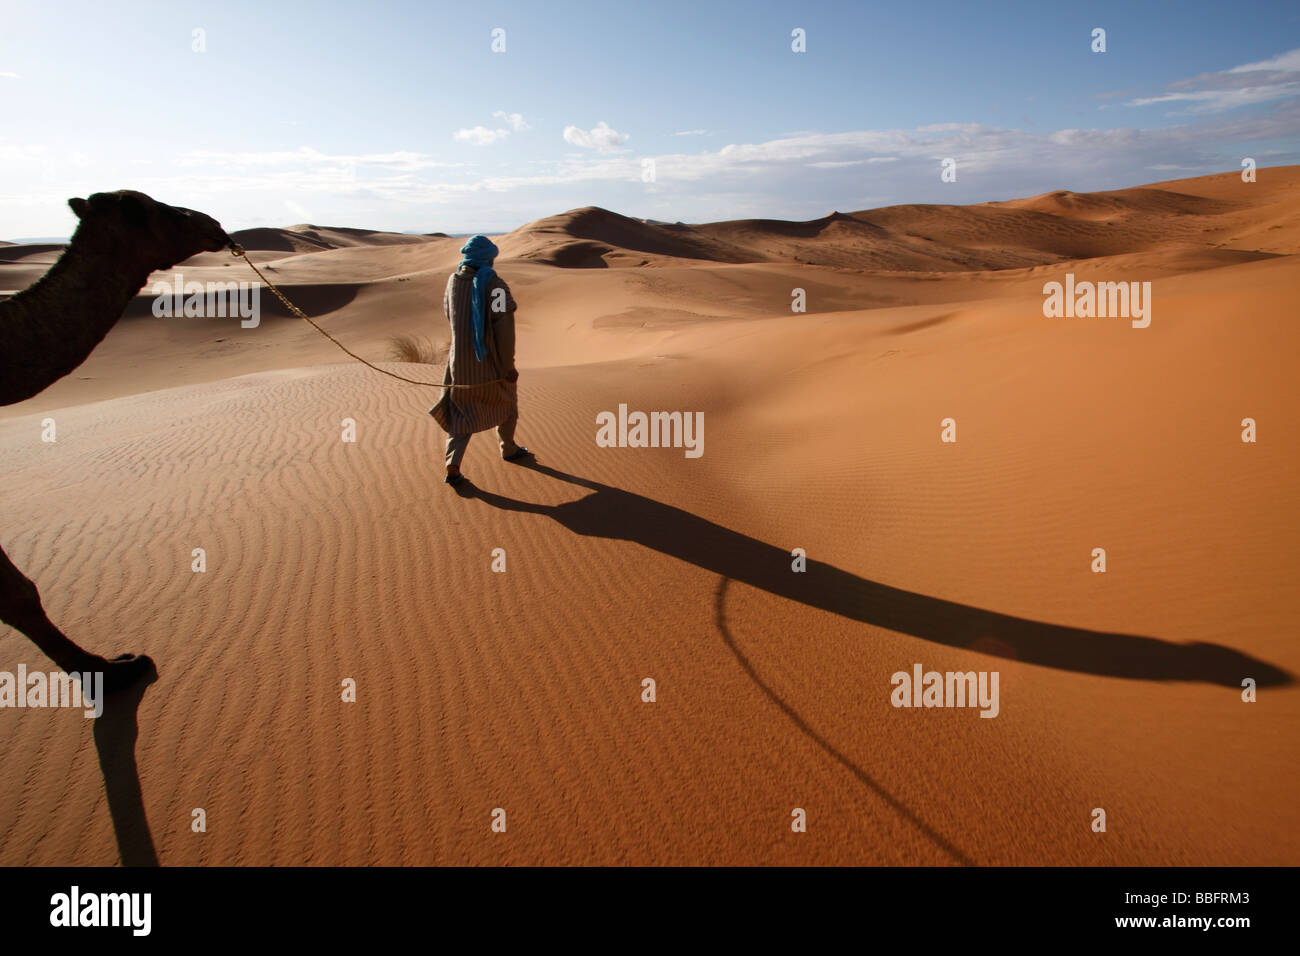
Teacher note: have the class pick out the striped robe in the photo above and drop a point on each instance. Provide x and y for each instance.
(463, 411)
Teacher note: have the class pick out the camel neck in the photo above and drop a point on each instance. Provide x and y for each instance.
(48, 329)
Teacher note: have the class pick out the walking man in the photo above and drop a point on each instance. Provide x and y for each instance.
(481, 311)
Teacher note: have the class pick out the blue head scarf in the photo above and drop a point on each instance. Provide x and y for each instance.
(480, 253)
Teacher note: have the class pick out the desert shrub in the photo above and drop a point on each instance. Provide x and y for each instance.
(409, 348)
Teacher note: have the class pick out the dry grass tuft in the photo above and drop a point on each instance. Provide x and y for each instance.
(408, 348)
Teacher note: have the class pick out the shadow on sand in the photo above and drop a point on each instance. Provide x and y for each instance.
(720, 607)
(612, 513)
(116, 730)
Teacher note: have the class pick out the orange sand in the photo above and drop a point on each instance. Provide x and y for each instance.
(329, 560)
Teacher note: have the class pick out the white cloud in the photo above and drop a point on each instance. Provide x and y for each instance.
(16, 152)
(516, 121)
(838, 163)
(9, 76)
(600, 137)
(483, 136)
(480, 135)
(769, 178)
(692, 132)
(403, 160)
(1288, 62)
(1218, 101)
(1245, 85)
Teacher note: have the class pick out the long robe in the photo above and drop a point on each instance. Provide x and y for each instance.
(463, 411)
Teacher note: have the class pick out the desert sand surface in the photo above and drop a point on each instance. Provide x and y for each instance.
(521, 690)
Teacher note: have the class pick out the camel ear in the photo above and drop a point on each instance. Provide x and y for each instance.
(80, 207)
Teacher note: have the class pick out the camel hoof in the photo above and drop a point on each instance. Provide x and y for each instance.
(125, 670)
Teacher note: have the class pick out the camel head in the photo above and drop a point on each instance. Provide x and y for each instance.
(130, 224)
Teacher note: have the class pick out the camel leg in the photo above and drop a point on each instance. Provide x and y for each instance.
(20, 608)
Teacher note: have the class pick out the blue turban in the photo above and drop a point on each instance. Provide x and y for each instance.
(480, 253)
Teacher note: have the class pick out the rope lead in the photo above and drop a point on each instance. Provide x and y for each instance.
(238, 251)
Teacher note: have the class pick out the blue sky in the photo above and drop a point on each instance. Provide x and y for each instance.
(399, 115)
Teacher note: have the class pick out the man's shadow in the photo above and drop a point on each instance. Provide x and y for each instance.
(612, 513)
(116, 730)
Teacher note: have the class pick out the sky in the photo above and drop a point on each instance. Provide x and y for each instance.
(402, 116)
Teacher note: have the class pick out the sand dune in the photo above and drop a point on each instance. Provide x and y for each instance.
(329, 560)
(897, 256)
(27, 253)
(582, 238)
(308, 238)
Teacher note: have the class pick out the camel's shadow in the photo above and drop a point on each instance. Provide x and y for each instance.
(116, 730)
(612, 513)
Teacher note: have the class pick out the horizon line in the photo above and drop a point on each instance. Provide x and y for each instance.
(40, 240)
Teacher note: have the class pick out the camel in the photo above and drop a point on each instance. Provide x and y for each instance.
(50, 328)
